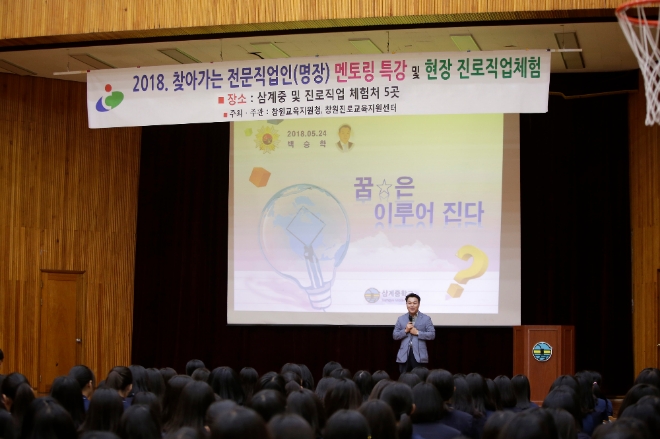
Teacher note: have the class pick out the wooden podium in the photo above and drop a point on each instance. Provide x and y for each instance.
(541, 374)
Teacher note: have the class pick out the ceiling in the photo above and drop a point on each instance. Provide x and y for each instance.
(605, 49)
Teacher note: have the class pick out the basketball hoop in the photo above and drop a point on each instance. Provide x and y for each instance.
(639, 21)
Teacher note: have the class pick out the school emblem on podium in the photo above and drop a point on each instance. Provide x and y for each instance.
(542, 351)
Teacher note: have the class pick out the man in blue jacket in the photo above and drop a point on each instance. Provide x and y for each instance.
(413, 329)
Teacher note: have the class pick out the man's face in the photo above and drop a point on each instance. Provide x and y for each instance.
(344, 134)
(413, 305)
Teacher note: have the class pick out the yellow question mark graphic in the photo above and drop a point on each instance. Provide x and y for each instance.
(478, 268)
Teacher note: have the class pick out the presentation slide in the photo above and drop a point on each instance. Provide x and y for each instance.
(333, 221)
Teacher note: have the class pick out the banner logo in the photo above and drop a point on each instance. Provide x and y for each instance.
(110, 102)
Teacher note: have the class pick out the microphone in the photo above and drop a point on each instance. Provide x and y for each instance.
(409, 317)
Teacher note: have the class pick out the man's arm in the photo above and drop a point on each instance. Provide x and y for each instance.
(399, 331)
(427, 332)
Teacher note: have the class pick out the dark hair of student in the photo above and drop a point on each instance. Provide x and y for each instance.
(586, 393)
(67, 393)
(564, 397)
(565, 423)
(308, 378)
(429, 406)
(290, 426)
(156, 383)
(324, 385)
(292, 376)
(627, 428)
(341, 373)
(239, 423)
(329, 367)
(380, 417)
(443, 382)
(105, 410)
(346, 424)
(184, 433)
(645, 413)
(378, 388)
(138, 422)
(365, 383)
(172, 392)
(301, 402)
(535, 423)
(271, 381)
(98, 435)
(268, 403)
(479, 391)
(167, 373)
(495, 424)
(650, 400)
(494, 393)
(399, 397)
(635, 393)
(461, 400)
(17, 388)
(291, 367)
(195, 399)
(46, 418)
(505, 388)
(292, 386)
(119, 378)
(83, 375)
(404, 427)
(249, 378)
(566, 380)
(226, 384)
(522, 391)
(193, 365)
(380, 375)
(7, 427)
(650, 375)
(152, 402)
(598, 383)
(344, 394)
(410, 379)
(201, 374)
(422, 372)
(140, 378)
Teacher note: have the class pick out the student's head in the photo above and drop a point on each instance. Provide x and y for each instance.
(16, 395)
(534, 423)
(422, 372)
(290, 426)
(292, 376)
(308, 378)
(341, 373)
(167, 373)
(346, 424)
(479, 392)
(565, 423)
(650, 375)
(216, 409)
(140, 378)
(120, 378)
(461, 400)
(291, 367)
(635, 393)
(429, 406)
(381, 419)
(138, 422)
(195, 399)
(85, 377)
(522, 391)
(494, 393)
(172, 393)
(226, 384)
(152, 402)
(627, 428)
(66, 391)
(105, 410)
(505, 389)
(380, 375)
(302, 402)
(363, 380)
(495, 424)
(239, 423)
(410, 379)
(268, 403)
(443, 381)
(271, 381)
(45, 418)
(344, 394)
(7, 425)
(399, 397)
(564, 397)
(379, 387)
(156, 383)
(323, 386)
(249, 378)
(329, 367)
(193, 365)
(647, 414)
(566, 380)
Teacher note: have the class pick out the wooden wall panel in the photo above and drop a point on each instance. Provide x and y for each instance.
(37, 18)
(68, 201)
(645, 224)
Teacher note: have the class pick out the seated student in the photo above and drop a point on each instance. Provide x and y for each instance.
(268, 403)
(344, 394)
(45, 418)
(152, 402)
(347, 424)
(563, 397)
(120, 379)
(239, 423)
(461, 400)
(530, 424)
(329, 367)
(172, 393)
(195, 399)
(592, 418)
(496, 423)
(410, 379)
(422, 372)
(140, 379)
(66, 391)
(16, 396)
(323, 386)
(86, 381)
(380, 375)
(308, 378)
(494, 393)
(481, 399)
(167, 373)
(249, 378)
(429, 409)
(156, 383)
(341, 373)
(193, 365)
(565, 423)
(226, 384)
(105, 410)
(647, 414)
(650, 375)
(364, 382)
(635, 393)
(138, 422)
(508, 399)
(522, 392)
(271, 380)
(598, 383)
(303, 402)
(628, 428)
(380, 417)
(290, 426)
(443, 381)
(378, 388)
(7, 427)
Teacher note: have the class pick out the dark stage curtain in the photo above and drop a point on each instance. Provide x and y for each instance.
(575, 246)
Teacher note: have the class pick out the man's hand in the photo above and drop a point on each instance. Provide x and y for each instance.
(414, 331)
(409, 327)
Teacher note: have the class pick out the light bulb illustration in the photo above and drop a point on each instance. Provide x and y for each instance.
(304, 234)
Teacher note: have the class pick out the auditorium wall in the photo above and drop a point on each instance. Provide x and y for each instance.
(68, 201)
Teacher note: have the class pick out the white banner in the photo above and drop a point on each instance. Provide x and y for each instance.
(337, 86)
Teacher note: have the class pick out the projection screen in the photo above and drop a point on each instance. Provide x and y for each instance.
(333, 221)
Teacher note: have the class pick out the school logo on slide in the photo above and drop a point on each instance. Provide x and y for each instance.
(542, 351)
(107, 103)
(267, 139)
(372, 295)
